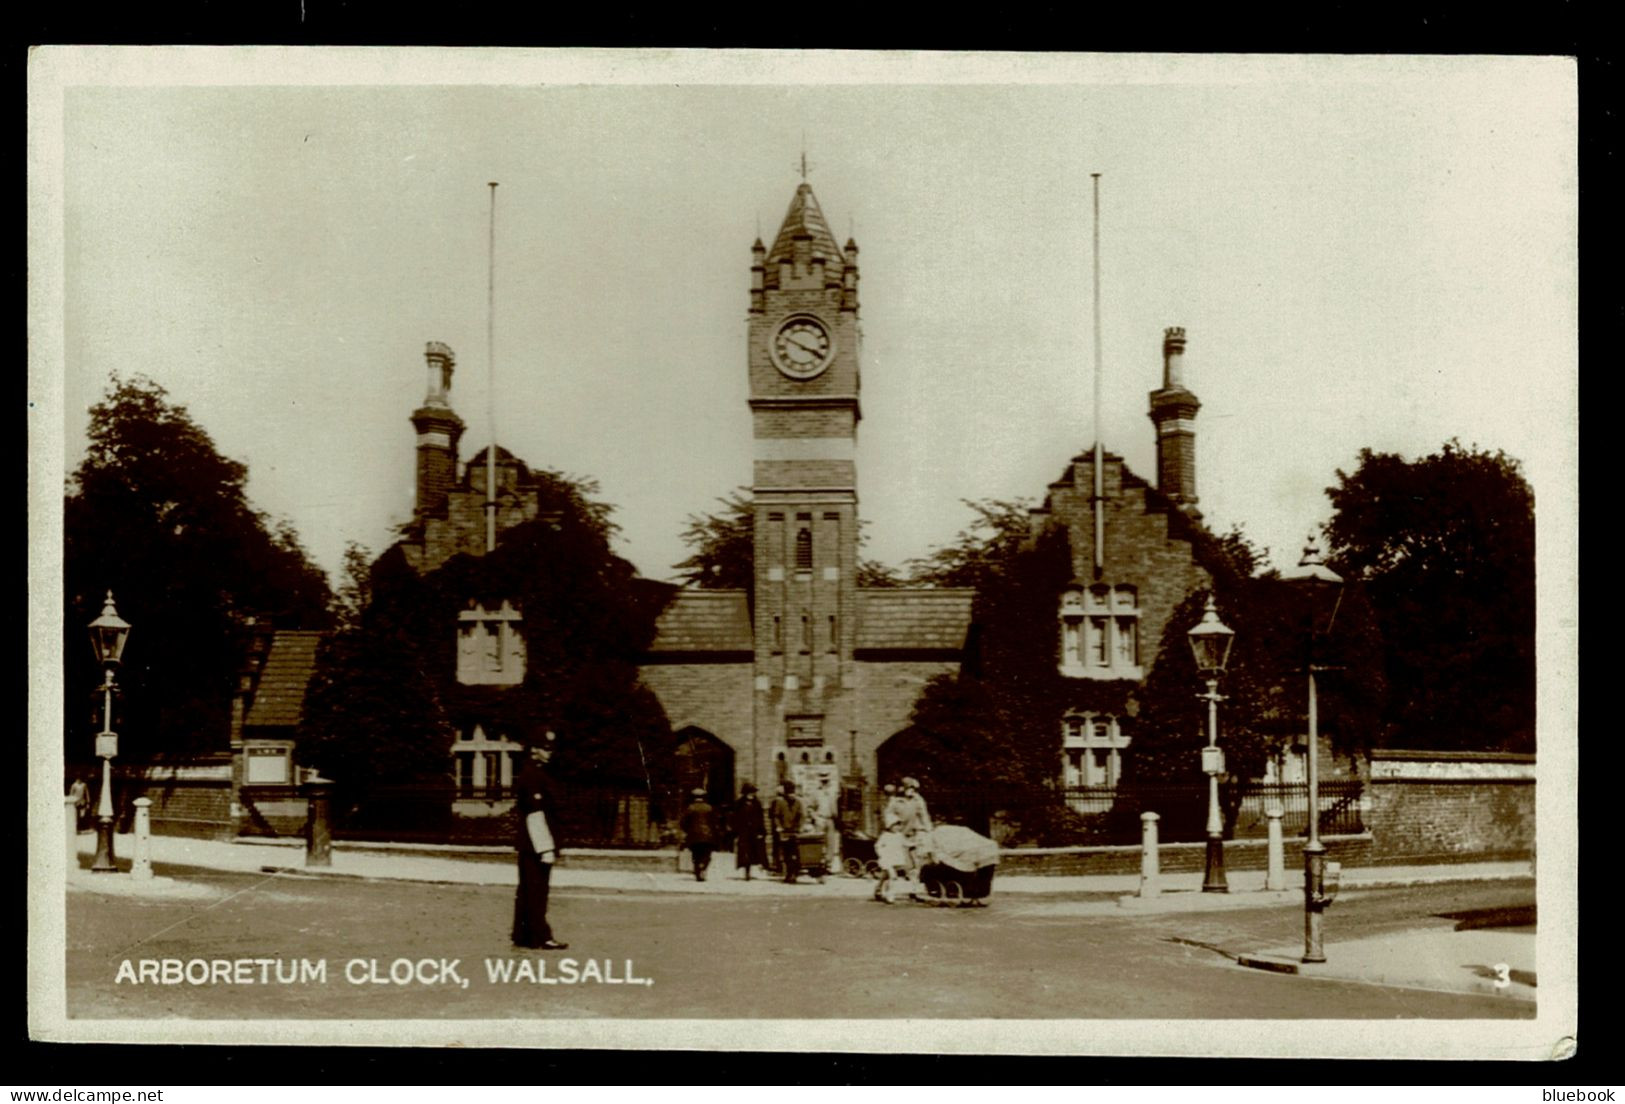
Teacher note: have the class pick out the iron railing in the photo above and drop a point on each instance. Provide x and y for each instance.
(1182, 809)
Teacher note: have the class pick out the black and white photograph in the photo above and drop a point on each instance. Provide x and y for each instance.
(884, 552)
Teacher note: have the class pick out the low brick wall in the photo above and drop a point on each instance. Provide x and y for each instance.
(192, 799)
(271, 811)
(1174, 858)
(1426, 806)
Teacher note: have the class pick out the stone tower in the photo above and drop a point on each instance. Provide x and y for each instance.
(803, 363)
(1173, 412)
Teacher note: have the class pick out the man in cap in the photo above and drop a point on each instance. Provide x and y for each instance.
(787, 814)
(699, 833)
(538, 847)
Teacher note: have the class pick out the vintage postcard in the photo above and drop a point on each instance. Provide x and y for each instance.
(755, 550)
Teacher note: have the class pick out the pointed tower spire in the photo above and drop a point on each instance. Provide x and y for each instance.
(804, 222)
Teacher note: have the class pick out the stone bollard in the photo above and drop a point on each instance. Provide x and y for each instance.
(318, 832)
(1149, 882)
(141, 863)
(73, 833)
(1276, 877)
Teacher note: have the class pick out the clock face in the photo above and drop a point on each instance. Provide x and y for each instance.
(802, 347)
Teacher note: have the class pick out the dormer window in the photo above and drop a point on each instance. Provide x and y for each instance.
(490, 648)
(1100, 632)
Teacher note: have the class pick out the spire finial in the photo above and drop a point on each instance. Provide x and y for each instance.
(805, 168)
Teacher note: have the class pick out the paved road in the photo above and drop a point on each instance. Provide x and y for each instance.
(1024, 957)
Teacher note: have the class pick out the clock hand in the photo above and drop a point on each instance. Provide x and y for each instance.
(810, 348)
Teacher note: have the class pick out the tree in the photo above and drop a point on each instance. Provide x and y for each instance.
(723, 543)
(1264, 687)
(156, 514)
(984, 547)
(989, 737)
(385, 704)
(1446, 548)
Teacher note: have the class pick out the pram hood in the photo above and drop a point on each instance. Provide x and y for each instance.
(958, 847)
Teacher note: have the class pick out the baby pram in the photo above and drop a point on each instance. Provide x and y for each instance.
(956, 866)
(858, 856)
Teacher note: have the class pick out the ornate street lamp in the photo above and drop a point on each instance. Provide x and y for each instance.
(108, 634)
(1210, 644)
(1323, 589)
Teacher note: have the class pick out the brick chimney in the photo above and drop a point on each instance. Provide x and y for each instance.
(439, 429)
(1173, 412)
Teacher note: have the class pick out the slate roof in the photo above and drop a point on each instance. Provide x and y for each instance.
(704, 621)
(279, 695)
(804, 217)
(913, 620)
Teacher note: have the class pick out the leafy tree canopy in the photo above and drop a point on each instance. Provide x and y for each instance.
(990, 736)
(385, 704)
(156, 514)
(1446, 547)
(987, 545)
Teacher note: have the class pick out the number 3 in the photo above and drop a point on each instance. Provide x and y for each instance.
(1503, 975)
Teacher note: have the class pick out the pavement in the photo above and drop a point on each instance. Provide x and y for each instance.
(1434, 955)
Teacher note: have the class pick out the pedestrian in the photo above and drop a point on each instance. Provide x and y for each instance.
(699, 833)
(81, 802)
(891, 814)
(827, 802)
(776, 855)
(538, 847)
(914, 822)
(787, 815)
(748, 830)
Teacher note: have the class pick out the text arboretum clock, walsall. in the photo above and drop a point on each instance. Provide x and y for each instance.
(801, 347)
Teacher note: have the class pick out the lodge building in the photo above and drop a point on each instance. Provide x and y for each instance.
(813, 674)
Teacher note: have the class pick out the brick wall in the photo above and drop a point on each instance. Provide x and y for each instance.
(1138, 551)
(191, 800)
(796, 474)
(1444, 806)
(889, 692)
(825, 422)
(715, 697)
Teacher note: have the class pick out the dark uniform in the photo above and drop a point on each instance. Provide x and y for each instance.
(699, 833)
(748, 831)
(537, 793)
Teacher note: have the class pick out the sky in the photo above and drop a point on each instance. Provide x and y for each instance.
(1364, 252)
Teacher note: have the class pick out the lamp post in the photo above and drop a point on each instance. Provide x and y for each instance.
(1324, 589)
(1210, 644)
(107, 634)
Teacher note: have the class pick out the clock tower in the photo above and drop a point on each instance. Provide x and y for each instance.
(803, 364)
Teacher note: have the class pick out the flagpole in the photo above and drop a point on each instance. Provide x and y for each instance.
(1100, 475)
(491, 383)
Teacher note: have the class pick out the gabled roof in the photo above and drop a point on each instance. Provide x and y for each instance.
(279, 695)
(913, 620)
(704, 621)
(804, 219)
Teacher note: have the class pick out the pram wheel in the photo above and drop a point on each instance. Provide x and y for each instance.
(854, 868)
(873, 869)
(952, 893)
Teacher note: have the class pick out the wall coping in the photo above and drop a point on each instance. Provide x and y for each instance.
(1422, 756)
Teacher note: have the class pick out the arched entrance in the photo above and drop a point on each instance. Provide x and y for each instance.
(952, 798)
(703, 762)
(907, 753)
